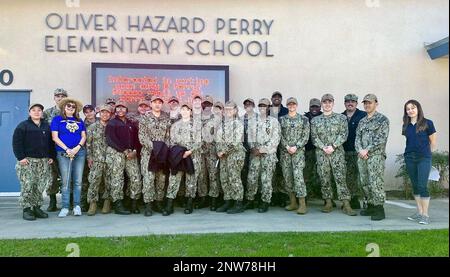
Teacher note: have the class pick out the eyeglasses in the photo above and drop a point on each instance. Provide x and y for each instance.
(71, 106)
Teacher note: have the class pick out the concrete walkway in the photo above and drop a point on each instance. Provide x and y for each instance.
(204, 221)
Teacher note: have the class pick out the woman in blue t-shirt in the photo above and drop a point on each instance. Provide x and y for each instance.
(420, 141)
(69, 135)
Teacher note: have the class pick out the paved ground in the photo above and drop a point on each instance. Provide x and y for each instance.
(203, 221)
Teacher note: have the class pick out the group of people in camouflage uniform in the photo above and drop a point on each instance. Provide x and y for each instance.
(202, 148)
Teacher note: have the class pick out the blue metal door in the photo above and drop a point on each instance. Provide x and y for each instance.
(13, 109)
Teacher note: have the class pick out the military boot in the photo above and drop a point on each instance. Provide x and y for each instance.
(249, 205)
(189, 205)
(367, 212)
(158, 207)
(264, 207)
(302, 207)
(202, 203)
(169, 207)
(38, 213)
(354, 203)
(28, 214)
(346, 209)
(134, 207)
(106, 207)
(378, 213)
(237, 208)
(148, 209)
(293, 203)
(224, 207)
(328, 206)
(92, 208)
(52, 205)
(213, 205)
(119, 208)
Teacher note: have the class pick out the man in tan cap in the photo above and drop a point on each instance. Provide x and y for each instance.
(354, 115)
(209, 130)
(263, 157)
(329, 132)
(206, 167)
(294, 135)
(370, 143)
(122, 156)
(96, 161)
(310, 172)
(58, 95)
(231, 155)
(174, 109)
(142, 109)
(154, 128)
(249, 121)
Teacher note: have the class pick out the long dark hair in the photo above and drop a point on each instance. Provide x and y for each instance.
(421, 124)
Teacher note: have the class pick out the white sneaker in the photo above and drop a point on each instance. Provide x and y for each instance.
(77, 211)
(63, 213)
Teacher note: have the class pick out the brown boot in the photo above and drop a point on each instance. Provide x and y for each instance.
(293, 203)
(106, 207)
(92, 208)
(302, 208)
(346, 209)
(328, 206)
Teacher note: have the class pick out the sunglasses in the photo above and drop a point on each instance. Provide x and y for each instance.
(73, 106)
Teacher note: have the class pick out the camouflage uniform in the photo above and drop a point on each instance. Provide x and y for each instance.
(152, 128)
(331, 130)
(294, 132)
(229, 141)
(372, 134)
(55, 185)
(183, 134)
(266, 139)
(34, 179)
(200, 121)
(86, 170)
(209, 152)
(96, 151)
(249, 123)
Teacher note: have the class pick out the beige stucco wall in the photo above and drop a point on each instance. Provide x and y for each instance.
(319, 47)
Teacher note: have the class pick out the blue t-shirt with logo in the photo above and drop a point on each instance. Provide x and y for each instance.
(69, 130)
(419, 142)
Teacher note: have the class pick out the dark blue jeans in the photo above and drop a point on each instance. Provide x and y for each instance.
(418, 168)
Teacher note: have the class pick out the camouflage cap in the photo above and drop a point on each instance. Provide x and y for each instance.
(230, 104)
(143, 102)
(291, 100)
(314, 102)
(327, 96)
(60, 91)
(208, 98)
(370, 97)
(351, 97)
(277, 93)
(218, 104)
(105, 107)
(173, 98)
(249, 100)
(156, 97)
(110, 100)
(36, 105)
(121, 103)
(187, 104)
(264, 101)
